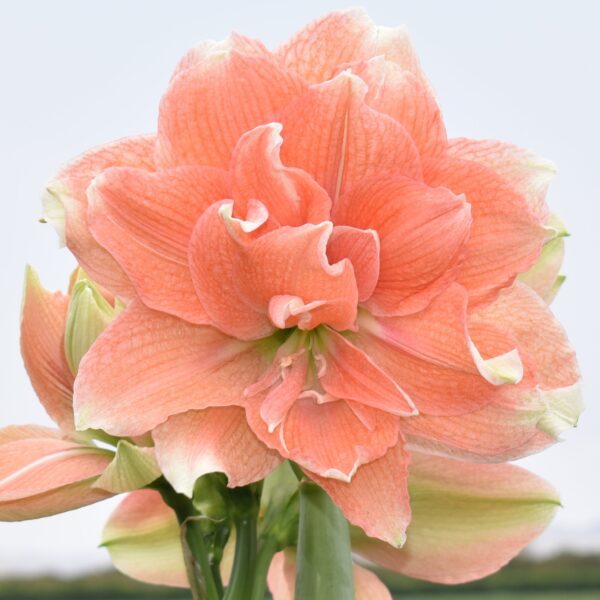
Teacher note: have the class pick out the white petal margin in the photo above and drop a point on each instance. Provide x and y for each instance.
(498, 370)
(53, 210)
(563, 408)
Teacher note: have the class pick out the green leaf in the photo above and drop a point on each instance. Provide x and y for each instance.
(324, 557)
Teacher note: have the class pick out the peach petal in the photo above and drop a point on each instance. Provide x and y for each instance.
(544, 276)
(207, 108)
(236, 280)
(423, 233)
(43, 321)
(468, 520)
(145, 220)
(148, 366)
(328, 439)
(527, 173)
(376, 500)
(143, 540)
(361, 247)
(349, 373)
(44, 476)
(206, 52)
(213, 253)
(525, 315)
(339, 37)
(506, 235)
(331, 133)
(406, 97)
(291, 196)
(14, 433)
(195, 443)
(69, 189)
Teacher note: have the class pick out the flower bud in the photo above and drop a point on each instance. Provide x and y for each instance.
(88, 315)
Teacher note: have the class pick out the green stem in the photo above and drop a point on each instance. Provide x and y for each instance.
(242, 574)
(263, 561)
(324, 558)
(194, 538)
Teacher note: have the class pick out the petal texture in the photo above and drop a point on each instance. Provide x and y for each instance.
(148, 366)
(198, 442)
(468, 520)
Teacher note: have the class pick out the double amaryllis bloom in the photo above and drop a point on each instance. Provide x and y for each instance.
(313, 271)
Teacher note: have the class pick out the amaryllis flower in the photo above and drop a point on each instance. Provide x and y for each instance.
(314, 272)
(45, 471)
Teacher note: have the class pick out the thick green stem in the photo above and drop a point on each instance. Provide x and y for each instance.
(242, 574)
(195, 540)
(266, 552)
(324, 567)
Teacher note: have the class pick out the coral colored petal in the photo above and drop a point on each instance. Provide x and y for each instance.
(198, 442)
(282, 579)
(14, 433)
(143, 539)
(468, 520)
(237, 279)
(423, 233)
(207, 108)
(407, 98)
(207, 51)
(520, 311)
(506, 235)
(527, 173)
(361, 247)
(213, 254)
(291, 195)
(69, 189)
(395, 45)
(145, 220)
(332, 134)
(376, 500)
(44, 476)
(148, 366)
(340, 37)
(328, 439)
(43, 321)
(349, 373)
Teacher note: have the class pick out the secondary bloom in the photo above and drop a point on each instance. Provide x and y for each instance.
(315, 272)
(43, 470)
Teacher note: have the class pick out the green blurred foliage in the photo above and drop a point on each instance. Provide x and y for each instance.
(561, 578)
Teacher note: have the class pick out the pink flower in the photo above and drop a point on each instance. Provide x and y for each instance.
(314, 272)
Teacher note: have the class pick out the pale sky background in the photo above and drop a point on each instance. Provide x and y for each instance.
(78, 73)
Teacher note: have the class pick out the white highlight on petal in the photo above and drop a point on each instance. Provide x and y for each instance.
(564, 405)
(498, 370)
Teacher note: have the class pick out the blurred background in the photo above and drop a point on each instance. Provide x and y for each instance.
(75, 74)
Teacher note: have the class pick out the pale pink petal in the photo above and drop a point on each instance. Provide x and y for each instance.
(395, 45)
(14, 433)
(376, 500)
(526, 172)
(407, 98)
(44, 476)
(208, 107)
(291, 195)
(423, 233)
(340, 37)
(143, 539)
(506, 236)
(349, 373)
(236, 279)
(195, 443)
(148, 366)
(208, 51)
(331, 133)
(328, 438)
(69, 188)
(145, 220)
(43, 321)
(282, 579)
(468, 520)
(361, 247)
